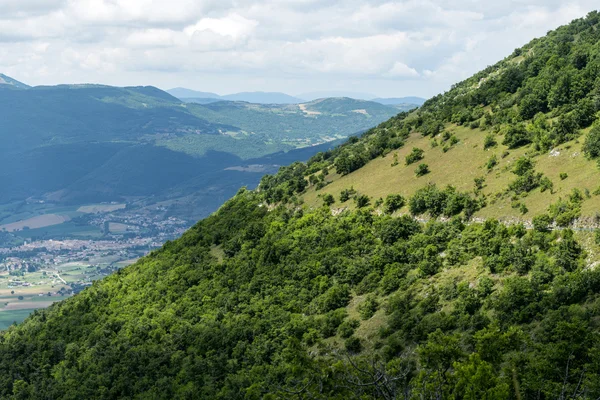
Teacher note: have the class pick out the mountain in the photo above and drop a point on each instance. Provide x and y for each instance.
(183, 93)
(200, 100)
(400, 100)
(307, 289)
(310, 96)
(7, 81)
(263, 98)
(249, 97)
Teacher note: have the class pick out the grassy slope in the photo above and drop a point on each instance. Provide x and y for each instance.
(461, 165)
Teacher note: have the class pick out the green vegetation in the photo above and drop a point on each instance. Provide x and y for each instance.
(447, 297)
(415, 155)
(422, 169)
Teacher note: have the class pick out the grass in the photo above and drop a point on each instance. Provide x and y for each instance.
(460, 165)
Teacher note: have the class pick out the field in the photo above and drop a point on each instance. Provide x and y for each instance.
(460, 165)
(40, 221)
(100, 208)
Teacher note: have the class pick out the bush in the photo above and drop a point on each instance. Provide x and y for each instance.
(492, 162)
(591, 146)
(523, 166)
(353, 344)
(347, 194)
(422, 169)
(368, 307)
(328, 199)
(541, 223)
(526, 183)
(347, 328)
(362, 200)
(597, 236)
(546, 184)
(415, 155)
(516, 136)
(392, 203)
(563, 176)
(489, 141)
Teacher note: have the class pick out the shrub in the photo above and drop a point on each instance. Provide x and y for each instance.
(392, 203)
(563, 176)
(347, 194)
(546, 184)
(328, 199)
(526, 183)
(347, 328)
(492, 162)
(353, 344)
(541, 223)
(516, 136)
(489, 141)
(368, 307)
(597, 236)
(422, 169)
(362, 200)
(415, 155)
(591, 146)
(523, 166)
(479, 181)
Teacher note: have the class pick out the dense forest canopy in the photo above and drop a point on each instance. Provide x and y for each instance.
(269, 299)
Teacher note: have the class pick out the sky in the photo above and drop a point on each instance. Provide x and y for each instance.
(386, 48)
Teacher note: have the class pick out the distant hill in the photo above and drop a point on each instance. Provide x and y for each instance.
(310, 96)
(200, 100)
(183, 93)
(8, 81)
(400, 100)
(250, 97)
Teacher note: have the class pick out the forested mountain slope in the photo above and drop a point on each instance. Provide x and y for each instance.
(268, 298)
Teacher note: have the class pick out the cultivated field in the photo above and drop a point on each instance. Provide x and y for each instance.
(40, 221)
(100, 208)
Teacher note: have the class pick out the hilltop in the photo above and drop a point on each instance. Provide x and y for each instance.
(281, 295)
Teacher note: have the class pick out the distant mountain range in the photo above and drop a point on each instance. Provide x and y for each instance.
(76, 144)
(250, 97)
(193, 96)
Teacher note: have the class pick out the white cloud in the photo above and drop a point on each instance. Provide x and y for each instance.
(402, 70)
(389, 47)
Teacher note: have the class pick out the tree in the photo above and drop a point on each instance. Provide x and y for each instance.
(328, 199)
(362, 200)
(415, 155)
(591, 146)
(422, 169)
(516, 136)
(392, 203)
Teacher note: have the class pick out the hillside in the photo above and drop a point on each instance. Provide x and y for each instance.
(521, 137)
(283, 294)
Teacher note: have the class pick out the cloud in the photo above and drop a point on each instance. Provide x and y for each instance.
(402, 70)
(393, 48)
